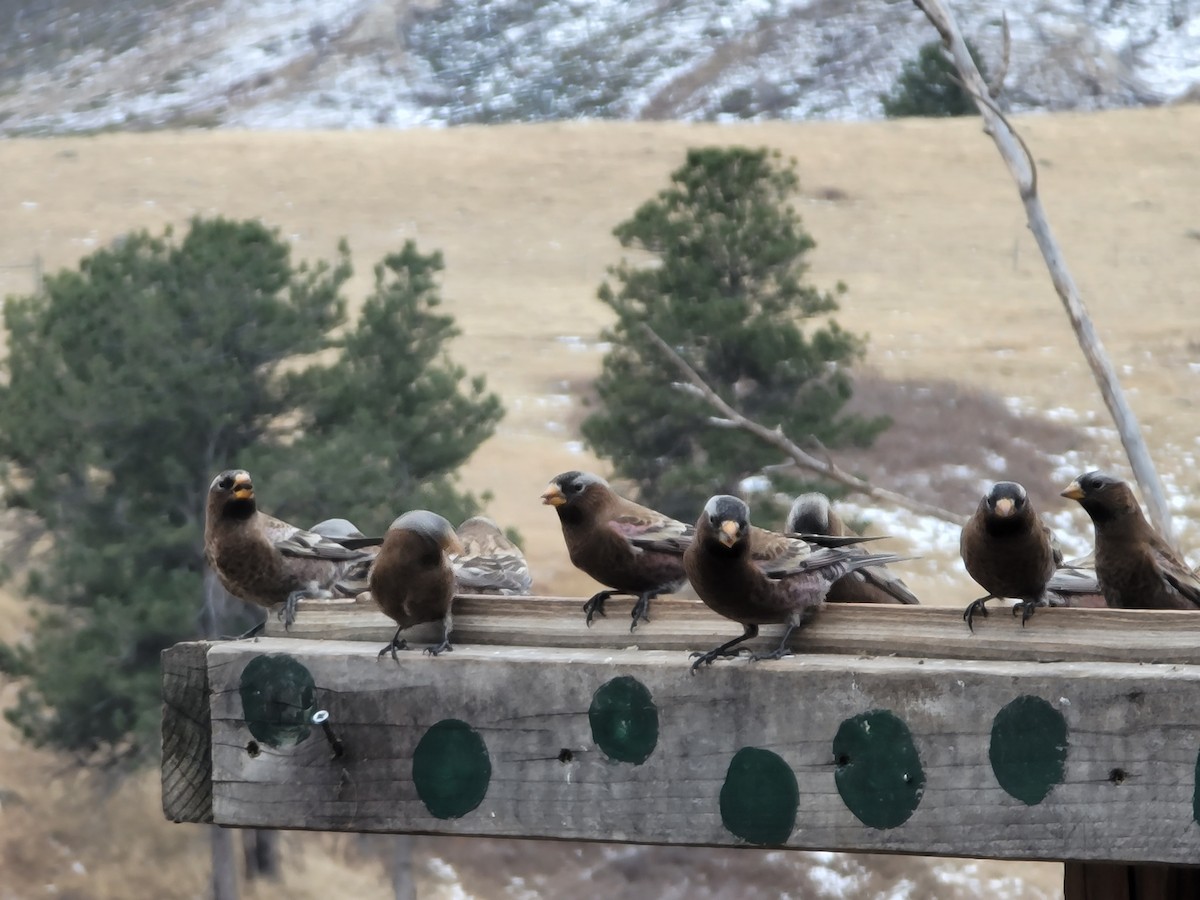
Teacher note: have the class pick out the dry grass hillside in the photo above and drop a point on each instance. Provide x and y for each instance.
(919, 218)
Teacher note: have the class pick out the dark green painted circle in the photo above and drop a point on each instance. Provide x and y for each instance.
(759, 798)
(1196, 792)
(277, 699)
(624, 720)
(877, 769)
(451, 769)
(1028, 748)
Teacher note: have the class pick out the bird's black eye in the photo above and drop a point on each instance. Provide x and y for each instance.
(574, 487)
(226, 483)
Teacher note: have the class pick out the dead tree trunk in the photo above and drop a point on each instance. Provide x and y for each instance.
(260, 850)
(1020, 163)
(224, 870)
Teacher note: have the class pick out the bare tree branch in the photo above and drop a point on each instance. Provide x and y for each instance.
(1020, 164)
(996, 85)
(731, 418)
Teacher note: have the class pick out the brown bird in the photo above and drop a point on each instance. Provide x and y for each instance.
(757, 577)
(412, 579)
(812, 514)
(489, 562)
(1136, 567)
(263, 560)
(1008, 549)
(631, 549)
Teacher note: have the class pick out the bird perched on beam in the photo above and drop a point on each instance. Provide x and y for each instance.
(1008, 550)
(629, 548)
(263, 560)
(757, 577)
(1137, 568)
(412, 579)
(489, 562)
(812, 514)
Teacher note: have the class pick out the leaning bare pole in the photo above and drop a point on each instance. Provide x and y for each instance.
(826, 468)
(1020, 163)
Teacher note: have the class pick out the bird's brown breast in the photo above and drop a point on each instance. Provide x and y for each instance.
(1011, 562)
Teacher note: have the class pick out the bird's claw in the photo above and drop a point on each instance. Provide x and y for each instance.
(288, 611)
(641, 612)
(437, 649)
(1026, 609)
(777, 653)
(253, 632)
(393, 646)
(595, 607)
(706, 658)
(976, 607)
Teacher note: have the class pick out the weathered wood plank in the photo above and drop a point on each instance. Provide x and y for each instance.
(186, 734)
(1157, 636)
(1123, 790)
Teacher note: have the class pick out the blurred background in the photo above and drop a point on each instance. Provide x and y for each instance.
(385, 254)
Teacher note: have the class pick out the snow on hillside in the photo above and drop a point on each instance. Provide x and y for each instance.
(392, 63)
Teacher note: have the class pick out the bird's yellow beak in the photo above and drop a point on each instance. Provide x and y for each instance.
(1004, 507)
(553, 496)
(729, 533)
(243, 488)
(1073, 491)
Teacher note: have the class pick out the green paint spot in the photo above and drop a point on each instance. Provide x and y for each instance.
(759, 798)
(277, 699)
(1028, 748)
(624, 720)
(878, 772)
(1196, 792)
(451, 769)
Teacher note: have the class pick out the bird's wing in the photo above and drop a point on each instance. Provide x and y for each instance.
(508, 574)
(649, 530)
(1055, 546)
(778, 554)
(884, 579)
(1175, 572)
(490, 562)
(307, 545)
(834, 540)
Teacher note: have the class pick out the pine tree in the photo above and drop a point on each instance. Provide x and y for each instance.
(134, 379)
(725, 287)
(929, 86)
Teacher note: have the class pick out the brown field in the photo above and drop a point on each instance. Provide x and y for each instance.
(924, 226)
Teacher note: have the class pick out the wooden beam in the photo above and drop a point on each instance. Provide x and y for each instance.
(186, 734)
(1059, 760)
(1075, 635)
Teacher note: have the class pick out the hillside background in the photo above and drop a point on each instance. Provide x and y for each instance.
(289, 113)
(79, 65)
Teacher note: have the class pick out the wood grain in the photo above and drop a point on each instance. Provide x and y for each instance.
(1126, 792)
(186, 734)
(1079, 635)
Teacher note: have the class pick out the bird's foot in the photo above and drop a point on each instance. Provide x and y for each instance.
(1027, 608)
(253, 632)
(641, 610)
(777, 653)
(287, 612)
(394, 645)
(595, 606)
(976, 608)
(437, 649)
(707, 658)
